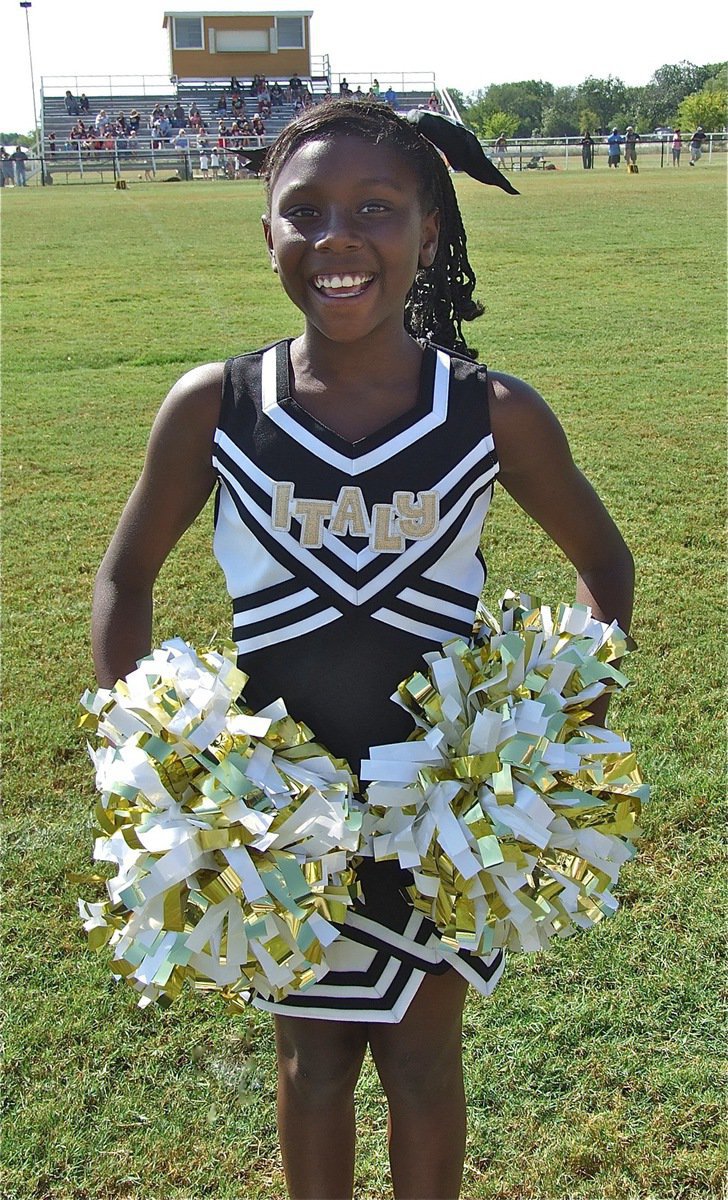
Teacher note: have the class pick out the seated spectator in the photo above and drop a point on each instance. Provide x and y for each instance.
(51, 143)
(259, 128)
(167, 112)
(433, 103)
(237, 104)
(264, 107)
(374, 89)
(391, 97)
(193, 111)
(101, 119)
(157, 113)
(121, 125)
(84, 103)
(222, 102)
(179, 118)
(235, 87)
(277, 95)
(295, 85)
(135, 120)
(358, 94)
(344, 87)
(73, 107)
(196, 120)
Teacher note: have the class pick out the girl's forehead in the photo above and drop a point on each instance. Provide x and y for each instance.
(326, 159)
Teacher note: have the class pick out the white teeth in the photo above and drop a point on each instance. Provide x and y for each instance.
(332, 282)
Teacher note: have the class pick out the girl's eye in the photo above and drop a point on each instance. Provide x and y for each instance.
(374, 206)
(300, 210)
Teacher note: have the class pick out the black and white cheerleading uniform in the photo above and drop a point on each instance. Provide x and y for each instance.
(346, 562)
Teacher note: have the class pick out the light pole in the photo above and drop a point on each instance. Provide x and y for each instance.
(26, 4)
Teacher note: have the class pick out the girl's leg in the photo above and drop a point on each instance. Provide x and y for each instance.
(420, 1065)
(318, 1066)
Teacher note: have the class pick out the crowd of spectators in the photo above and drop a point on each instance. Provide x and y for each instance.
(241, 112)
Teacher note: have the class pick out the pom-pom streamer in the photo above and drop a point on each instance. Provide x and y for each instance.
(230, 831)
(513, 811)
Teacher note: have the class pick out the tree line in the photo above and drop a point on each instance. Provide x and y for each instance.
(679, 95)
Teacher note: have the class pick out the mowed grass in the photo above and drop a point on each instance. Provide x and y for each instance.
(595, 1072)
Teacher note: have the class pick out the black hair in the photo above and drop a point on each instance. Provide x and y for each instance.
(441, 297)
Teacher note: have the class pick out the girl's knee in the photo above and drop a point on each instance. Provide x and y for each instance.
(321, 1070)
(420, 1079)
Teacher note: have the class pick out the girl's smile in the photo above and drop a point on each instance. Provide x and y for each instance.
(347, 233)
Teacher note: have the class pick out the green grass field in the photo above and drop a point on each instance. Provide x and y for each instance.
(594, 1073)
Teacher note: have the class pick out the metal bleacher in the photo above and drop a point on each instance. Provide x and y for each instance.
(63, 156)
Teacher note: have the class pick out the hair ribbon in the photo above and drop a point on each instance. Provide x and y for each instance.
(460, 146)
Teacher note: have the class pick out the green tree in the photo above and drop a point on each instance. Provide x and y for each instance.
(588, 119)
(497, 123)
(525, 99)
(560, 115)
(458, 99)
(606, 97)
(669, 86)
(17, 139)
(706, 108)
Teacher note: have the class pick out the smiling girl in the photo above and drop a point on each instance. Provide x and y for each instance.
(354, 466)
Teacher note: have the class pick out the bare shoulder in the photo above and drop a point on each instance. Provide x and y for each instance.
(196, 395)
(526, 431)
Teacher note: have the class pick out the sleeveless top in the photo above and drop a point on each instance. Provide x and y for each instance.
(346, 562)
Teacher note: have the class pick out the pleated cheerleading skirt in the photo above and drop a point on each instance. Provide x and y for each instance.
(383, 954)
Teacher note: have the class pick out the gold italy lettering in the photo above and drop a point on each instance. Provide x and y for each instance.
(312, 514)
(385, 540)
(351, 514)
(417, 518)
(282, 496)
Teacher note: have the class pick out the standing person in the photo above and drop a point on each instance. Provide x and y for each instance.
(362, 412)
(676, 147)
(501, 147)
(214, 161)
(630, 149)
(20, 158)
(614, 142)
(696, 145)
(587, 151)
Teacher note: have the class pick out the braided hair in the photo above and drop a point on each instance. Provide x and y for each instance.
(441, 296)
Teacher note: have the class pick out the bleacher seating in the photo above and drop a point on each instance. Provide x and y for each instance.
(203, 92)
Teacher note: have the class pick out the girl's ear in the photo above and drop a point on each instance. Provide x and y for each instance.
(430, 238)
(269, 241)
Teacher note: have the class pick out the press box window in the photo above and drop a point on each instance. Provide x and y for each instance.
(289, 31)
(188, 33)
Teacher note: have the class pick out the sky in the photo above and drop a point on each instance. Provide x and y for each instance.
(561, 42)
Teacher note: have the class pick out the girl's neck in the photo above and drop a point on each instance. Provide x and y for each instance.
(381, 358)
(352, 388)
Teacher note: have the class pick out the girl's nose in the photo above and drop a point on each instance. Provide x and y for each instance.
(338, 232)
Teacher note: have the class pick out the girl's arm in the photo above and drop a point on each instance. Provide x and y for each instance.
(175, 483)
(538, 471)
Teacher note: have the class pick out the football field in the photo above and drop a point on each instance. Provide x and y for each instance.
(596, 1072)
